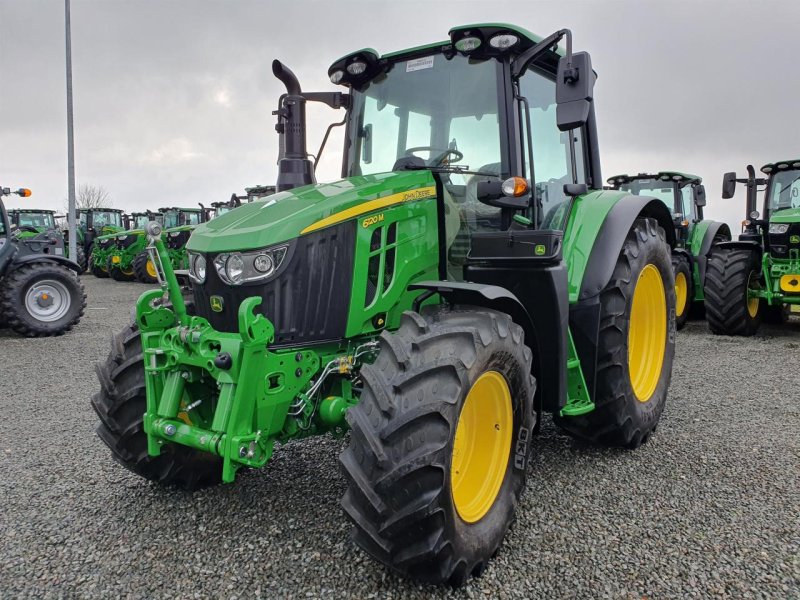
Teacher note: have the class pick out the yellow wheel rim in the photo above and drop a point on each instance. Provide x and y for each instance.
(752, 303)
(647, 333)
(481, 447)
(681, 293)
(151, 268)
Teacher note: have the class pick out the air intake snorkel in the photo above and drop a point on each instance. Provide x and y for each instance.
(294, 167)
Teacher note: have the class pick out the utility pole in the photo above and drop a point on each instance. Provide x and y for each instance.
(73, 251)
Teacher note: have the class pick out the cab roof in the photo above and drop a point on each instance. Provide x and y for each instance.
(32, 210)
(663, 175)
(781, 165)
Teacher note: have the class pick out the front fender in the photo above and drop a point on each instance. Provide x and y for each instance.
(703, 236)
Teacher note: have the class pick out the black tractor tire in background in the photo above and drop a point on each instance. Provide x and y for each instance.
(118, 274)
(681, 267)
(140, 268)
(400, 497)
(22, 290)
(121, 404)
(620, 417)
(729, 274)
(777, 314)
(81, 258)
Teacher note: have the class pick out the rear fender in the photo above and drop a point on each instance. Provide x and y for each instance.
(33, 258)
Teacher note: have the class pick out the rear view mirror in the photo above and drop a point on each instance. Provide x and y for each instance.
(490, 191)
(728, 185)
(699, 195)
(574, 90)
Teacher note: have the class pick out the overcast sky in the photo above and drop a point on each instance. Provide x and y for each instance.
(173, 99)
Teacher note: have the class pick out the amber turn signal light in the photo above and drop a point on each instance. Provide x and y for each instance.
(515, 186)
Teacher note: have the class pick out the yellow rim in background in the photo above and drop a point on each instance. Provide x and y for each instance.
(681, 293)
(647, 333)
(752, 302)
(481, 447)
(151, 268)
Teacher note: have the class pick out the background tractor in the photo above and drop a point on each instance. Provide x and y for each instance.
(178, 225)
(685, 196)
(460, 280)
(34, 222)
(129, 245)
(95, 223)
(758, 276)
(40, 293)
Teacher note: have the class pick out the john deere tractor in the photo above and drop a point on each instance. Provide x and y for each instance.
(685, 196)
(121, 263)
(179, 224)
(758, 276)
(95, 229)
(463, 277)
(40, 293)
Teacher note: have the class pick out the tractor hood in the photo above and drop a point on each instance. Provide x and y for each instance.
(787, 215)
(287, 215)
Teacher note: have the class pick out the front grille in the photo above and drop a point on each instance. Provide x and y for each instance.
(307, 301)
(106, 244)
(782, 244)
(127, 242)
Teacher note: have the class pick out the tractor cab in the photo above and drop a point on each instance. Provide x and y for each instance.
(682, 193)
(257, 192)
(35, 220)
(181, 217)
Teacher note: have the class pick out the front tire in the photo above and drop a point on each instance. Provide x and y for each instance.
(116, 273)
(42, 299)
(684, 289)
(636, 344)
(439, 443)
(144, 268)
(731, 272)
(121, 404)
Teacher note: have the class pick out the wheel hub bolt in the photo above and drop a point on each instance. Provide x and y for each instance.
(44, 300)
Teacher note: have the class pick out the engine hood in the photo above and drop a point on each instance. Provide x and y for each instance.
(287, 215)
(787, 215)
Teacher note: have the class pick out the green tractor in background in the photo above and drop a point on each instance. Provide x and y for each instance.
(95, 229)
(123, 259)
(758, 276)
(465, 276)
(34, 222)
(685, 196)
(40, 293)
(178, 224)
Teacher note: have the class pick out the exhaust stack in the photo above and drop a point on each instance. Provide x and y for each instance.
(294, 167)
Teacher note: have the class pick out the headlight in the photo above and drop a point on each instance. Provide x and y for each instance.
(197, 268)
(778, 228)
(121, 237)
(236, 268)
(174, 233)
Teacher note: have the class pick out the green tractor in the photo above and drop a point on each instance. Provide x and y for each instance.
(465, 276)
(95, 230)
(685, 196)
(40, 293)
(124, 262)
(178, 224)
(33, 222)
(758, 276)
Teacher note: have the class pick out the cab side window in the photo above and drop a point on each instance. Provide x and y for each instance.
(687, 202)
(552, 160)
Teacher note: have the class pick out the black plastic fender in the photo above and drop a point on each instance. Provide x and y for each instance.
(742, 245)
(32, 258)
(613, 232)
(715, 228)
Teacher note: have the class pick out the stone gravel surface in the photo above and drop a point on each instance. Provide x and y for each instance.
(710, 507)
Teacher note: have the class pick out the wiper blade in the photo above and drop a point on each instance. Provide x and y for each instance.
(455, 169)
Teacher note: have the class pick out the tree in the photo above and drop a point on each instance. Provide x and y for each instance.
(91, 196)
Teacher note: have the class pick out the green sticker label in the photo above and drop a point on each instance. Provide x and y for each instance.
(795, 239)
(216, 303)
(540, 249)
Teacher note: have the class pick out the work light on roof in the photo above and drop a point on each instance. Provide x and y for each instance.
(767, 170)
(336, 76)
(468, 44)
(503, 41)
(783, 166)
(796, 165)
(357, 67)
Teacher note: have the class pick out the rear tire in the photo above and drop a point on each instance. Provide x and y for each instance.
(42, 299)
(729, 274)
(684, 289)
(630, 394)
(419, 502)
(144, 268)
(121, 404)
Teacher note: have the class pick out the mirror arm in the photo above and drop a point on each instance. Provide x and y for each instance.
(521, 63)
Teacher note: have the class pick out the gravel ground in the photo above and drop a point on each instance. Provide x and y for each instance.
(710, 507)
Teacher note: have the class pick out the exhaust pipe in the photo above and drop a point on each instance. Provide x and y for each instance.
(294, 167)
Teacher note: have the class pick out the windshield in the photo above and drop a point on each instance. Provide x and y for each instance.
(104, 218)
(37, 220)
(190, 218)
(221, 210)
(784, 190)
(140, 221)
(170, 219)
(442, 111)
(662, 190)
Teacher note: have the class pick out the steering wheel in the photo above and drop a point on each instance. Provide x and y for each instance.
(439, 159)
